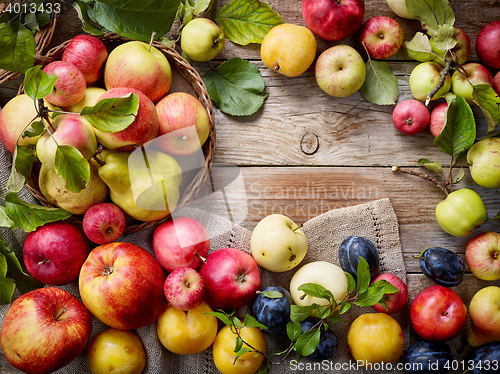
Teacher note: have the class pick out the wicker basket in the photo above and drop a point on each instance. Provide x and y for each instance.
(42, 40)
(196, 84)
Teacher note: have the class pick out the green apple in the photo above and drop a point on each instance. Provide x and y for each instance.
(460, 212)
(399, 7)
(278, 244)
(483, 159)
(340, 71)
(202, 39)
(324, 273)
(424, 77)
(469, 75)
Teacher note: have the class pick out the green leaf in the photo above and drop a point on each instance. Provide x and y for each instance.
(436, 167)
(223, 317)
(72, 167)
(239, 344)
(24, 158)
(384, 304)
(272, 294)
(293, 330)
(236, 87)
(458, 177)
(5, 220)
(201, 6)
(363, 275)
(381, 85)
(34, 129)
(335, 317)
(22, 280)
(370, 297)
(316, 290)
(87, 26)
(136, 19)
(445, 37)
(17, 47)
(419, 48)
(431, 13)
(298, 313)
(344, 307)
(322, 311)
(250, 321)
(246, 21)
(237, 322)
(241, 352)
(351, 283)
(459, 130)
(30, 21)
(27, 216)
(489, 102)
(113, 114)
(307, 343)
(37, 83)
(388, 288)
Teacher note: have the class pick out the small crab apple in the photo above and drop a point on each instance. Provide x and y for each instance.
(184, 288)
(437, 118)
(382, 36)
(410, 117)
(103, 223)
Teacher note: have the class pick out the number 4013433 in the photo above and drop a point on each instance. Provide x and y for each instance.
(32, 7)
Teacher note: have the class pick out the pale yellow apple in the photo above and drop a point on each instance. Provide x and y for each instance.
(484, 312)
(324, 273)
(114, 351)
(399, 7)
(278, 244)
(90, 98)
(186, 333)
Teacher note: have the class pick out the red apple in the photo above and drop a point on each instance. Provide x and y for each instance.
(143, 129)
(70, 85)
(437, 118)
(496, 83)
(103, 223)
(483, 255)
(395, 301)
(121, 284)
(88, 54)
(333, 20)
(180, 242)
(44, 330)
(438, 314)
(184, 288)
(488, 45)
(410, 117)
(382, 36)
(232, 278)
(140, 66)
(55, 252)
(184, 124)
(471, 74)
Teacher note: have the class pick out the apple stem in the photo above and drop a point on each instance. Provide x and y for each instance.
(297, 228)
(60, 313)
(99, 150)
(44, 261)
(449, 63)
(151, 41)
(423, 176)
(203, 259)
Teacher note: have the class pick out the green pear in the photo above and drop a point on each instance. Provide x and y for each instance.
(52, 186)
(144, 183)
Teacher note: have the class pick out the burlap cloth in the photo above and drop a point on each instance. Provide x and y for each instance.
(375, 220)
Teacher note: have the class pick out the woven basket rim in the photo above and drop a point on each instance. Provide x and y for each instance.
(197, 84)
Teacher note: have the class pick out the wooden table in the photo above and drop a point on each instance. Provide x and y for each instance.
(304, 152)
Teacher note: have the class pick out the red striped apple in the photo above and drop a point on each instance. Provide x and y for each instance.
(471, 74)
(184, 288)
(382, 36)
(88, 54)
(483, 255)
(44, 330)
(70, 85)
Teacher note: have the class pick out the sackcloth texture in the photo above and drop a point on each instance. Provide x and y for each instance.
(375, 220)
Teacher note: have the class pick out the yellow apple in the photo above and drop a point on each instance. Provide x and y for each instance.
(116, 351)
(278, 244)
(90, 98)
(189, 332)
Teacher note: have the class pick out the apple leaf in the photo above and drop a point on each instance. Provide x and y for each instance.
(250, 321)
(459, 130)
(34, 129)
(459, 176)
(363, 276)
(307, 343)
(27, 216)
(87, 26)
(246, 21)
(236, 87)
(345, 307)
(370, 297)
(381, 85)
(14, 275)
(445, 37)
(24, 158)
(436, 167)
(136, 20)
(431, 14)
(419, 48)
(113, 114)
(37, 83)
(316, 290)
(388, 287)
(489, 102)
(72, 167)
(17, 47)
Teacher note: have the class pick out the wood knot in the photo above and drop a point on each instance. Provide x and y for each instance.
(309, 143)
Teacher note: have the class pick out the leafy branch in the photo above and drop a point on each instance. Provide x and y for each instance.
(360, 292)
